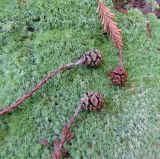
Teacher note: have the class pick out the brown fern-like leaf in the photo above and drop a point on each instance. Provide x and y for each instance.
(110, 26)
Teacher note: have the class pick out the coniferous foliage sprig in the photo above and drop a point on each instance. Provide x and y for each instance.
(118, 76)
(109, 25)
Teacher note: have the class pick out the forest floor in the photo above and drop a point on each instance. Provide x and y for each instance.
(37, 37)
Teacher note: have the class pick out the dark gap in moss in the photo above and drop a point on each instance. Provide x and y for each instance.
(30, 29)
(89, 145)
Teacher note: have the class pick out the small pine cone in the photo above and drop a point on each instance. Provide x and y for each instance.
(118, 76)
(92, 58)
(92, 101)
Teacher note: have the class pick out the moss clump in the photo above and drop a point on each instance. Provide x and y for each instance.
(128, 126)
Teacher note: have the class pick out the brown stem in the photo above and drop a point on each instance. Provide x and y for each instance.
(11, 107)
(149, 30)
(72, 119)
(66, 136)
(121, 62)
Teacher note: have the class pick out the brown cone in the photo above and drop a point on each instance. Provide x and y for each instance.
(118, 76)
(92, 58)
(92, 101)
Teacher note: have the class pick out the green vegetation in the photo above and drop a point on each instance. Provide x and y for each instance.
(129, 124)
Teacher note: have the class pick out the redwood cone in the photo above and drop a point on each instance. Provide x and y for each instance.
(92, 58)
(92, 101)
(118, 76)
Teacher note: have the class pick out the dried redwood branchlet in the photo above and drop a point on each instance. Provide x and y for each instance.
(91, 58)
(90, 101)
(111, 27)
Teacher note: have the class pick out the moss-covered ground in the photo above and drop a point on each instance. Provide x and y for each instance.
(37, 37)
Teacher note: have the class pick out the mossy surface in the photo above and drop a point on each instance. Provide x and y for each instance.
(37, 37)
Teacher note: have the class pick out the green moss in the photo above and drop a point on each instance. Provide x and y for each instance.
(127, 127)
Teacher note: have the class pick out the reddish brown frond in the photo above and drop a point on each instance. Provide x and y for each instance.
(109, 24)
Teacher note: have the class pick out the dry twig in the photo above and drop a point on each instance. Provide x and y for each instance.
(149, 30)
(90, 101)
(90, 58)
